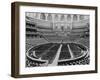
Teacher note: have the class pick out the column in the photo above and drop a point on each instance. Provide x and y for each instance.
(53, 17)
(59, 18)
(71, 17)
(65, 16)
(46, 16)
(53, 21)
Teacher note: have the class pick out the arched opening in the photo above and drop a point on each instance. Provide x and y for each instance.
(49, 17)
(62, 28)
(62, 18)
(75, 18)
(56, 17)
(56, 27)
(69, 18)
(42, 16)
(81, 17)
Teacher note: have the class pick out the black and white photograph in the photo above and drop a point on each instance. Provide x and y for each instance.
(51, 39)
(54, 39)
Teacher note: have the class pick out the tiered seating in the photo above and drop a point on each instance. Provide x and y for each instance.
(39, 31)
(54, 38)
(81, 61)
(31, 30)
(34, 63)
(82, 24)
(39, 22)
(28, 46)
(28, 24)
(84, 41)
(47, 52)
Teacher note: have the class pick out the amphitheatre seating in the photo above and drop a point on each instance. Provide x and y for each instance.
(30, 24)
(44, 30)
(53, 38)
(33, 63)
(31, 30)
(81, 61)
(28, 46)
(84, 41)
(47, 52)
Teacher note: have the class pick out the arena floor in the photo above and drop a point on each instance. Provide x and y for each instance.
(59, 53)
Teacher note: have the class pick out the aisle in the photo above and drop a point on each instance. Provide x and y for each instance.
(55, 61)
(70, 51)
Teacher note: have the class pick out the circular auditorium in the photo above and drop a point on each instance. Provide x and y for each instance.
(54, 39)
